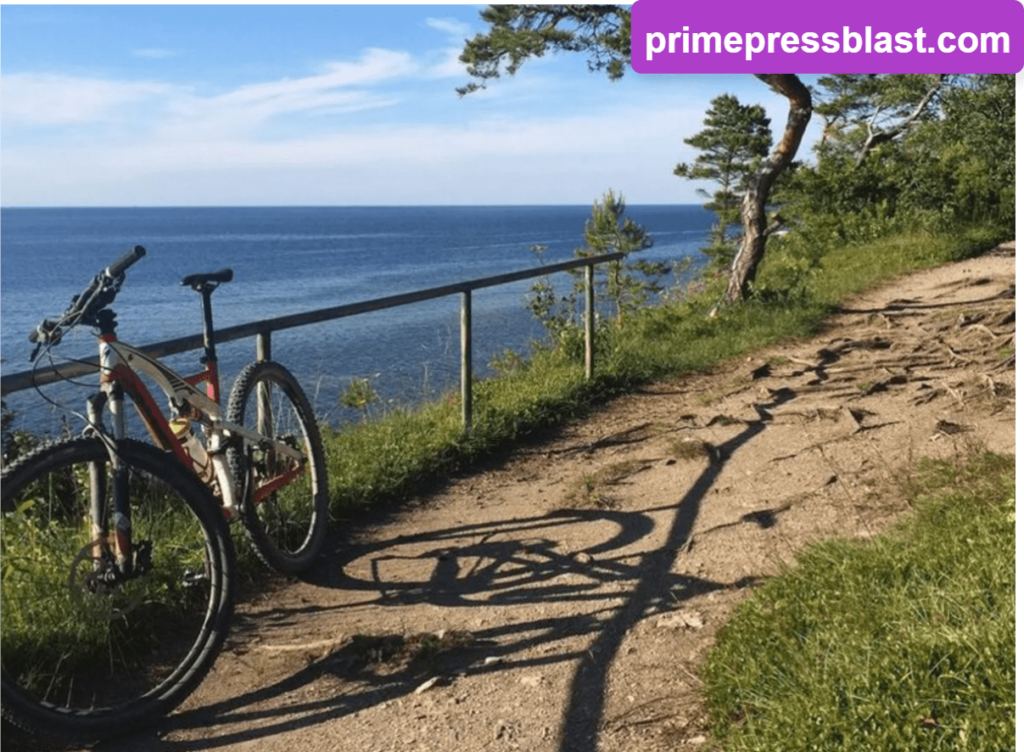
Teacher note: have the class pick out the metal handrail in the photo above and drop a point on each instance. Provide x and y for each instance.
(262, 329)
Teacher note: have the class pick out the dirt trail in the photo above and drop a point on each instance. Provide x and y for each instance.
(564, 600)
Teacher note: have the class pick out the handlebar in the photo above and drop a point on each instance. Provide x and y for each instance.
(120, 266)
(98, 294)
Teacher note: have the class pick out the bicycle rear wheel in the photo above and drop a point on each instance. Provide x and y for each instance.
(86, 655)
(285, 502)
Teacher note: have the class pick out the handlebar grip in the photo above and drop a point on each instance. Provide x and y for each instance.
(42, 332)
(118, 267)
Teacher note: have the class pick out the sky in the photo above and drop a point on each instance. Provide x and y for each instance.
(190, 105)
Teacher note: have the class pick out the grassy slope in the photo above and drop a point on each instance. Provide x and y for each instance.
(390, 457)
(906, 643)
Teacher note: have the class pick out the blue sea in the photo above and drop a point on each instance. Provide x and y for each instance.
(289, 260)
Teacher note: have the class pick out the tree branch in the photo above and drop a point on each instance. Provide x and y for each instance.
(519, 32)
(876, 138)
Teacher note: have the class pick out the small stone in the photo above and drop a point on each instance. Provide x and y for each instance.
(428, 684)
(682, 620)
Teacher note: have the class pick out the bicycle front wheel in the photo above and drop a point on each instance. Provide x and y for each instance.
(88, 651)
(285, 502)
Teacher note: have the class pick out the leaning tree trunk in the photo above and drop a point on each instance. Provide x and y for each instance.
(755, 226)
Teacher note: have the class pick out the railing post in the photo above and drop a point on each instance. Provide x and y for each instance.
(588, 325)
(264, 410)
(466, 320)
(263, 346)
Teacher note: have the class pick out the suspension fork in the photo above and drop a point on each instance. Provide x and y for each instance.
(122, 513)
(112, 396)
(120, 545)
(97, 472)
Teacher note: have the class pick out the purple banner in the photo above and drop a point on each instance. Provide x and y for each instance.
(870, 36)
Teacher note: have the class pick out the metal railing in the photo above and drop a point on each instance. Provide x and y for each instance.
(262, 329)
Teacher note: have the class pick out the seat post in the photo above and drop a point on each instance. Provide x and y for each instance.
(209, 347)
(205, 284)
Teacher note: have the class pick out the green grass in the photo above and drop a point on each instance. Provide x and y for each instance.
(393, 456)
(905, 643)
(54, 628)
(390, 458)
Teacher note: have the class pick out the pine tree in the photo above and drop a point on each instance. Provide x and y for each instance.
(630, 281)
(621, 287)
(736, 137)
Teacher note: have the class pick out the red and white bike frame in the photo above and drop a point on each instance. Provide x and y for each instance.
(119, 367)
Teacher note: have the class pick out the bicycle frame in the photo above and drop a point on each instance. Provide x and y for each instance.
(119, 367)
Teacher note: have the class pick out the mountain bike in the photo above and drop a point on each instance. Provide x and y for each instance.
(117, 562)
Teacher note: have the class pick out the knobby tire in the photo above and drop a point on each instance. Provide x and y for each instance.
(287, 527)
(84, 658)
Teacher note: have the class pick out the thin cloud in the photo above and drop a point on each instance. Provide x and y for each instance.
(45, 100)
(445, 63)
(342, 87)
(457, 31)
(30, 99)
(375, 66)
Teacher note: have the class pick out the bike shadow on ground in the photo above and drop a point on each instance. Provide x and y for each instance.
(508, 562)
